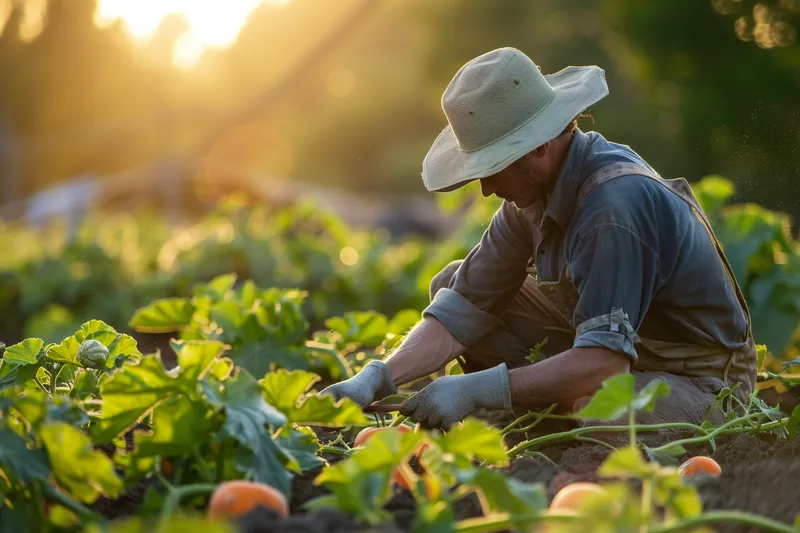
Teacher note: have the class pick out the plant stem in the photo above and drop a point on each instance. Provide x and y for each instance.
(398, 421)
(174, 497)
(53, 380)
(596, 441)
(54, 496)
(539, 418)
(202, 466)
(647, 501)
(567, 435)
(504, 521)
(710, 435)
(632, 425)
(335, 449)
(712, 517)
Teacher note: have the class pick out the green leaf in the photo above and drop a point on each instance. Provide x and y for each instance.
(475, 439)
(176, 524)
(712, 192)
(645, 400)
(302, 443)
(132, 392)
(66, 352)
(85, 473)
(626, 462)
(536, 352)
(761, 350)
(434, 517)
(794, 421)
(195, 357)
(17, 459)
(667, 457)
(453, 368)
(499, 493)
(163, 316)
(367, 328)
(360, 484)
(179, 426)
(25, 352)
(617, 396)
(286, 391)
(403, 321)
(247, 417)
(261, 357)
(218, 288)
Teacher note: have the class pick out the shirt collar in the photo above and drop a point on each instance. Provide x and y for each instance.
(561, 205)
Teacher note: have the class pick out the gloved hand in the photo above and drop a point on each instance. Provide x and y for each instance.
(374, 382)
(451, 398)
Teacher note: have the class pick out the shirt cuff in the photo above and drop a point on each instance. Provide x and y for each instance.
(460, 317)
(620, 343)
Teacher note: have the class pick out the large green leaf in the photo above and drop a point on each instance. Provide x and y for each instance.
(434, 517)
(218, 288)
(263, 356)
(367, 328)
(17, 459)
(248, 419)
(618, 396)
(475, 439)
(118, 344)
(85, 473)
(179, 426)
(286, 391)
(499, 493)
(360, 484)
(132, 392)
(196, 357)
(164, 315)
(302, 443)
(25, 352)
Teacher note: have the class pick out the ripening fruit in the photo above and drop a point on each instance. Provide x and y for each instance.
(572, 496)
(233, 499)
(700, 465)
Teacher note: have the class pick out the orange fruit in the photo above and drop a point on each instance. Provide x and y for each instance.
(700, 465)
(233, 499)
(572, 496)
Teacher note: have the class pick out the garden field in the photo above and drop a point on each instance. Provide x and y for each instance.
(159, 379)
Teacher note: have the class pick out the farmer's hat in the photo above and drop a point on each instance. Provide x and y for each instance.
(499, 107)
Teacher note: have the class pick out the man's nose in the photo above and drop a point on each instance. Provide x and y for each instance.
(488, 187)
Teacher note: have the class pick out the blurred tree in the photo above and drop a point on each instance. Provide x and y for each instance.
(735, 104)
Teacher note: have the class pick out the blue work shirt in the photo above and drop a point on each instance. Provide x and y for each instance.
(631, 244)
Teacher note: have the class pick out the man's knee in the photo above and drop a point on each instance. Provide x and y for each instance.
(444, 278)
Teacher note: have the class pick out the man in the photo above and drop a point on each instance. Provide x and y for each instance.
(591, 249)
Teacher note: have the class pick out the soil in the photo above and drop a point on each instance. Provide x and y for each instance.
(759, 475)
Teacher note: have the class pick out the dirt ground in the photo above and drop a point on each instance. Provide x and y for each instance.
(758, 476)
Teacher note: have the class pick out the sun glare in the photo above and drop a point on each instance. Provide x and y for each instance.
(212, 23)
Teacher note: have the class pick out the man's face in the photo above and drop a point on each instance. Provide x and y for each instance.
(522, 183)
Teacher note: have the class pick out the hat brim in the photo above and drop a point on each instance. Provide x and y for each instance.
(446, 167)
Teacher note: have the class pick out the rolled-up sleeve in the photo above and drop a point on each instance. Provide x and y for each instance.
(487, 279)
(616, 276)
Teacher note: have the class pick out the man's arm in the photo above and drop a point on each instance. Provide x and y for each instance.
(564, 378)
(427, 348)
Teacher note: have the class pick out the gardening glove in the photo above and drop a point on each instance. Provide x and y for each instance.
(451, 398)
(374, 382)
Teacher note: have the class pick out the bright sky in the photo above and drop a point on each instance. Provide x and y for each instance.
(212, 23)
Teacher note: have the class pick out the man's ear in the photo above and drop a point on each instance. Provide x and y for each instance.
(541, 151)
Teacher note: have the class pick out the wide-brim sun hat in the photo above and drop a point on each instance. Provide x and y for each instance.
(499, 106)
